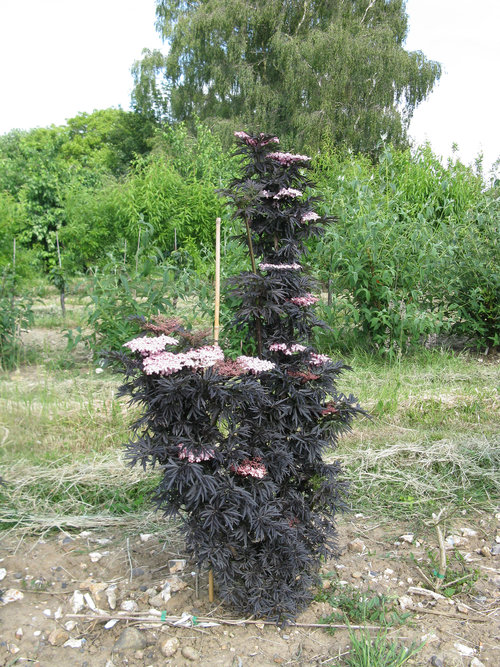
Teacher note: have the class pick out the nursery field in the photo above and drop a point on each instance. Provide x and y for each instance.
(80, 546)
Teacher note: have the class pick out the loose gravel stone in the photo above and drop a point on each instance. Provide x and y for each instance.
(190, 653)
(169, 647)
(130, 639)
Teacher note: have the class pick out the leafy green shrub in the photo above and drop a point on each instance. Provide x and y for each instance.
(412, 253)
(15, 313)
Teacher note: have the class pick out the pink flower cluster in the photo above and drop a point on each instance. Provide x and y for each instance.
(166, 363)
(251, 467)
(306, 300)
(287, 192)
(310, 215)
(288, 350)
(286, 159)
(318, 359)
(255, 365)
(279, 267)
(147, 346)
(193, 458)
(250, 141)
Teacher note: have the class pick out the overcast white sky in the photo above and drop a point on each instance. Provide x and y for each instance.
(61, 57)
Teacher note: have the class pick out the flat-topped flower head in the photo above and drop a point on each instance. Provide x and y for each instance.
(146, 345)
(251, 468)
(287, 192)
(306, 300)
(203, 455)
(287, 159)
(259, 140)
(310, 216)
(255, 365)
(166, 363)
(279, 267)
(295, 348)
(318, 359)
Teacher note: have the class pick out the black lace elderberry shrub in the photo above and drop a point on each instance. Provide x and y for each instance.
(304, 414)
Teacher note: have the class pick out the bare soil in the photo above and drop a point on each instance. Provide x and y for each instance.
(47, 571)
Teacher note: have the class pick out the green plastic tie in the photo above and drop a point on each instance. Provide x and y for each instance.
(195, 620)
(436, 574)
(163, 615)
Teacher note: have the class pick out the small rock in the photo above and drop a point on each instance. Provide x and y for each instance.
(462, 608)
(3, 573)
(476, 663)
(430, 638)
(14, 649)
(468, 532)
(408, 538)
(130, 639)
(455, 540)
(74, 643)
(19, 633)
(169, 647)
(37, 633)
(497, 539)
(495, 550)
(47, 613)
(111, 624)
(70, 625)
(111, 597)
(77, 602)
(57, 637)
(405, 602)
(176, 565)
(388, 571)
(12, 595)
(326, 584)
(436, 662)
(95, 556)
(18, 575)
(485, 551)
(356, 575)
(139, 655)
(176, 583)
(464, 650)
(129, 605)
(137, 572)
(156, 601)
(145, 537)
(190, 653)
(356, 546)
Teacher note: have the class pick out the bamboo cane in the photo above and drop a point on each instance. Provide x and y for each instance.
(216, 340)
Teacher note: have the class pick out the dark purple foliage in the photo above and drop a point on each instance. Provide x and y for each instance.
(241, 442)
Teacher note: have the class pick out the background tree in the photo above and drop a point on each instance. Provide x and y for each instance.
(307, 68)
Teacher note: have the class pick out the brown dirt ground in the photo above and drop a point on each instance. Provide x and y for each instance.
(48, 570)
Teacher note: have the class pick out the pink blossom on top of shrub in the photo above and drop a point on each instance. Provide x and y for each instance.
(306, 300)
(287, 159)
(166, 363)
(279, 267)
(251, 467)
(146, 345)
(287, 192)
(255, 365)
(195, 458)
(318, 359)
(255, 141)
(287, 349)
(310, 215)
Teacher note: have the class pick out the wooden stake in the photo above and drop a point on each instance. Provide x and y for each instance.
(217, 281)
(216, 340)
(210, 585)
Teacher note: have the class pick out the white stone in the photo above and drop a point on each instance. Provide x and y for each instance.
(169, 647)
(111, 596)
(111, 624)
(19, 633)
(3, 573)
(408, 538)
(12, 595)
(476, 663)
(77, 602)
(464, 650)
(95, 556)
(70, 625)
(47, 613)
(455, 540)
(145, 537)
(58, 613)
(405, 602)
(468, 532)
(88, 599)
(129, 605)
(74, 643)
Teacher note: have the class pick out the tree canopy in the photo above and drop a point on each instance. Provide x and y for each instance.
(307, 69)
